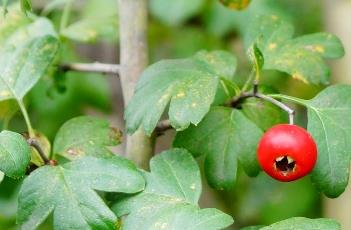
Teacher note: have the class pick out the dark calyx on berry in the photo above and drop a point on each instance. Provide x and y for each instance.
(285, 164)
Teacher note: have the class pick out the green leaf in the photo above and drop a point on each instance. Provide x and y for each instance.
(27, 49)
(170, 198)
(21, 68)
(175, 12)
(89, 30)
(329, 122)
(68, 192)
(17, 30)
(225, 136)
(300, 57)
(304, 223)
(235, 4)
(85, 135)
(8, 109)
(188, 85)
(97, 20)
(256, 57)
(221, 20)
(14, 154)
(26, 5)
(263, 113)
(53, 5)
(226, 90)
(2, 175)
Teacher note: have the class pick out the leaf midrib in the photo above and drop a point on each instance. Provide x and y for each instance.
(71, 194)
(15, 96)
(11, 156)
(327, 141)
(320, 115)
(177, 180)
(207, 220)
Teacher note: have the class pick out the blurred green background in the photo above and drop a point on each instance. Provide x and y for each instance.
(177, 29)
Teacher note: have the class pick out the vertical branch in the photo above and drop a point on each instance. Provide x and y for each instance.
(133, 59)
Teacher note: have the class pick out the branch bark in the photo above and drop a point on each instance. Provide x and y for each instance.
(95, 67)
(133, 60)
(32, 142)
(162, 127)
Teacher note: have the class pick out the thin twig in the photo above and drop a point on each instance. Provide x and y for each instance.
(95, 67)
(162, 126)
(281, 105)
(32, 142)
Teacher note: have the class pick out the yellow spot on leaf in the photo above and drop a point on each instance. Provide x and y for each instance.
(319, 49)
(5, 93)
(181, 94)
(192, 187)
(299, 76)
(193, 104)
(272, 46)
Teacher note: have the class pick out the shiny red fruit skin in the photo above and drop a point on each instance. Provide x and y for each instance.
(287, 140)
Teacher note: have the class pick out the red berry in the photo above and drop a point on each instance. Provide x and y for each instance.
(287, 152)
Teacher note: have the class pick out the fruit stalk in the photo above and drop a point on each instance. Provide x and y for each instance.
(281, 105)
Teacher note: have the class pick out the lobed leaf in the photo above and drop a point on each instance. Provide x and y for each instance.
(221, 20)
(20, 69)
(225, 136)
(301, 57)
(90, 29)
(98, 20)
(188, 85)
(85, 136)
(329, 123)
(170, 198)
(67, 191)
(27, 48)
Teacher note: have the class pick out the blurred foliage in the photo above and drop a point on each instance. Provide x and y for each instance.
(175, 13)
(177, 29)
(268, 201)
